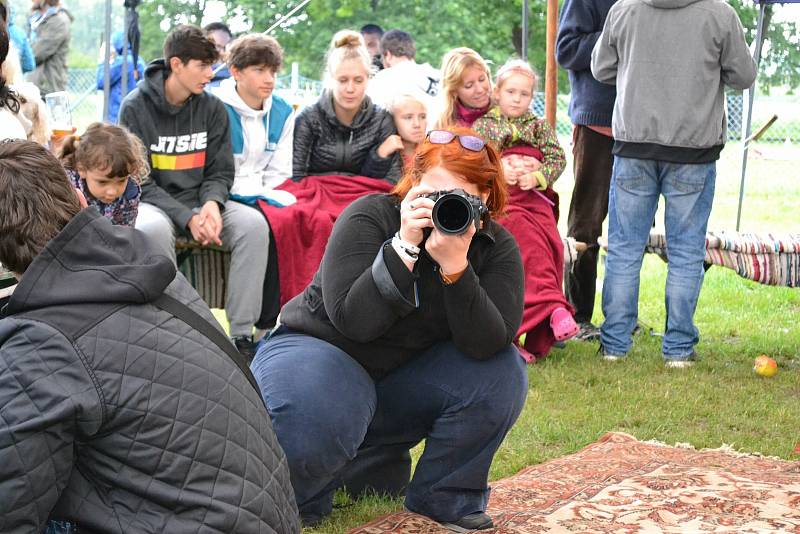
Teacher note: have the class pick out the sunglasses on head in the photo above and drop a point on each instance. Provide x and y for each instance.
(443, 137)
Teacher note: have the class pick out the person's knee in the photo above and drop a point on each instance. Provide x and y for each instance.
(510, 397)
(248, 228)
(497, 387)
(159, 230)
(321, 406)
(323, 446)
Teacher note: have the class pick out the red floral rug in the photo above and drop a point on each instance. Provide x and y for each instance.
(622, 485)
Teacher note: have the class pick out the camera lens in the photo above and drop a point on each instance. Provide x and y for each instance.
(452, 214)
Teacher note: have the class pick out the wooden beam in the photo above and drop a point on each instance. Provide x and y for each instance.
(551, 70)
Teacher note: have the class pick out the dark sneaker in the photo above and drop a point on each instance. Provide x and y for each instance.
(681, 362)
(245, 346)
(587, 332)
(471, 522)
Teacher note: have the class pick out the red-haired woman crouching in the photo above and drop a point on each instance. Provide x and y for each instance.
(405, 334)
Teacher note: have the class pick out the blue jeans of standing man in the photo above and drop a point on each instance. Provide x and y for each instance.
(688, 191)
(326, 410)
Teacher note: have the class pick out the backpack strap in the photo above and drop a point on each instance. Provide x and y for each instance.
(187, 315)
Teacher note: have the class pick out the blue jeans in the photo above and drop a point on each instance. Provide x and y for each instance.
(332, 418)
(688, 190)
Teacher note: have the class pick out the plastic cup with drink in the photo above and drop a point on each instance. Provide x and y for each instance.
(60, 118)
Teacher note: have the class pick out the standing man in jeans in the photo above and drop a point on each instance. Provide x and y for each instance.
(670, 61)
(590, 107)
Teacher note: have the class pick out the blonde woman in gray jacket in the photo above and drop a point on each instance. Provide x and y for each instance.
(670, 61)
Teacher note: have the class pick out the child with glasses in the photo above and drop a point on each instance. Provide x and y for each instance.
(512, 128)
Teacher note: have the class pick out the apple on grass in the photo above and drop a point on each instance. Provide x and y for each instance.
(765, 366)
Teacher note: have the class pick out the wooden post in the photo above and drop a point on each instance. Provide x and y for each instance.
(551, 71)
(107, 61)
(524, 46)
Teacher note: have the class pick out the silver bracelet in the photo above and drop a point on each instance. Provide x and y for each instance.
(402, 252)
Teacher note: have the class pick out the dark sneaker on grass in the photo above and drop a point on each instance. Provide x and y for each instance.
(470, 523)
(587, 332)
(681, 362)
(245, 346)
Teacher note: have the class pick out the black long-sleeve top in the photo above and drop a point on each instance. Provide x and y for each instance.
(364, 300)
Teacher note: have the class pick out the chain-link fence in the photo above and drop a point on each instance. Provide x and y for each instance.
(87, 106)
(785, 130)
(86, 102)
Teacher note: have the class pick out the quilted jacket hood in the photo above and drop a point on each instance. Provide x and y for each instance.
(93, 261)
(119, 416)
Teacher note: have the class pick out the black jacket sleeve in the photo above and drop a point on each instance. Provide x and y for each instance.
(304, 139)
(48, 401)
(354, 303)
(152, 193)
(484, 312)
(376, 166)
(219, 168)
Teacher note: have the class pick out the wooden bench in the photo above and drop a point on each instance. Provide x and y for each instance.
(206, 268)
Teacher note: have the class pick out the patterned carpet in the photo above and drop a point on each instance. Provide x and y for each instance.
(622, 485)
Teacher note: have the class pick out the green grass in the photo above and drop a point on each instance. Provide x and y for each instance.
(575, 397)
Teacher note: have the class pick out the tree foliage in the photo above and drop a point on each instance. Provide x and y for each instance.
(780, 57)
(492, 28)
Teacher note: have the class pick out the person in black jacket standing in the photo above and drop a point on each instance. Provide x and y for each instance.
(590, 107)
(344, 132)
(404, 334)
(117, 415)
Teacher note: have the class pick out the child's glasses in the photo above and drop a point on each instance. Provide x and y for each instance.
(443, 137)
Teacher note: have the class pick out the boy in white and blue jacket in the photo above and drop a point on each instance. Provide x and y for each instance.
(262, 133)
(261, 123)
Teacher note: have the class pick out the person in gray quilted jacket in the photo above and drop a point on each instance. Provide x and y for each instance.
(115, 415)
(344, 132)
(50, 37)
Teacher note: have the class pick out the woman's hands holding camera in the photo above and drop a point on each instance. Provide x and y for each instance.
(415, 214)
(449, 251)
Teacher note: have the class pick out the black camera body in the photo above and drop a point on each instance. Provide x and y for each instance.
(455, 210)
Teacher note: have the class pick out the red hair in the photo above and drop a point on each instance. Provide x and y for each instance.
(481, 168)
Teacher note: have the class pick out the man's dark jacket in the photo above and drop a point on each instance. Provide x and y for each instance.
(120, 417)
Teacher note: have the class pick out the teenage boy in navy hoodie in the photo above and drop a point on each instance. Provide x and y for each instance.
(186, 132)
(590, 107)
